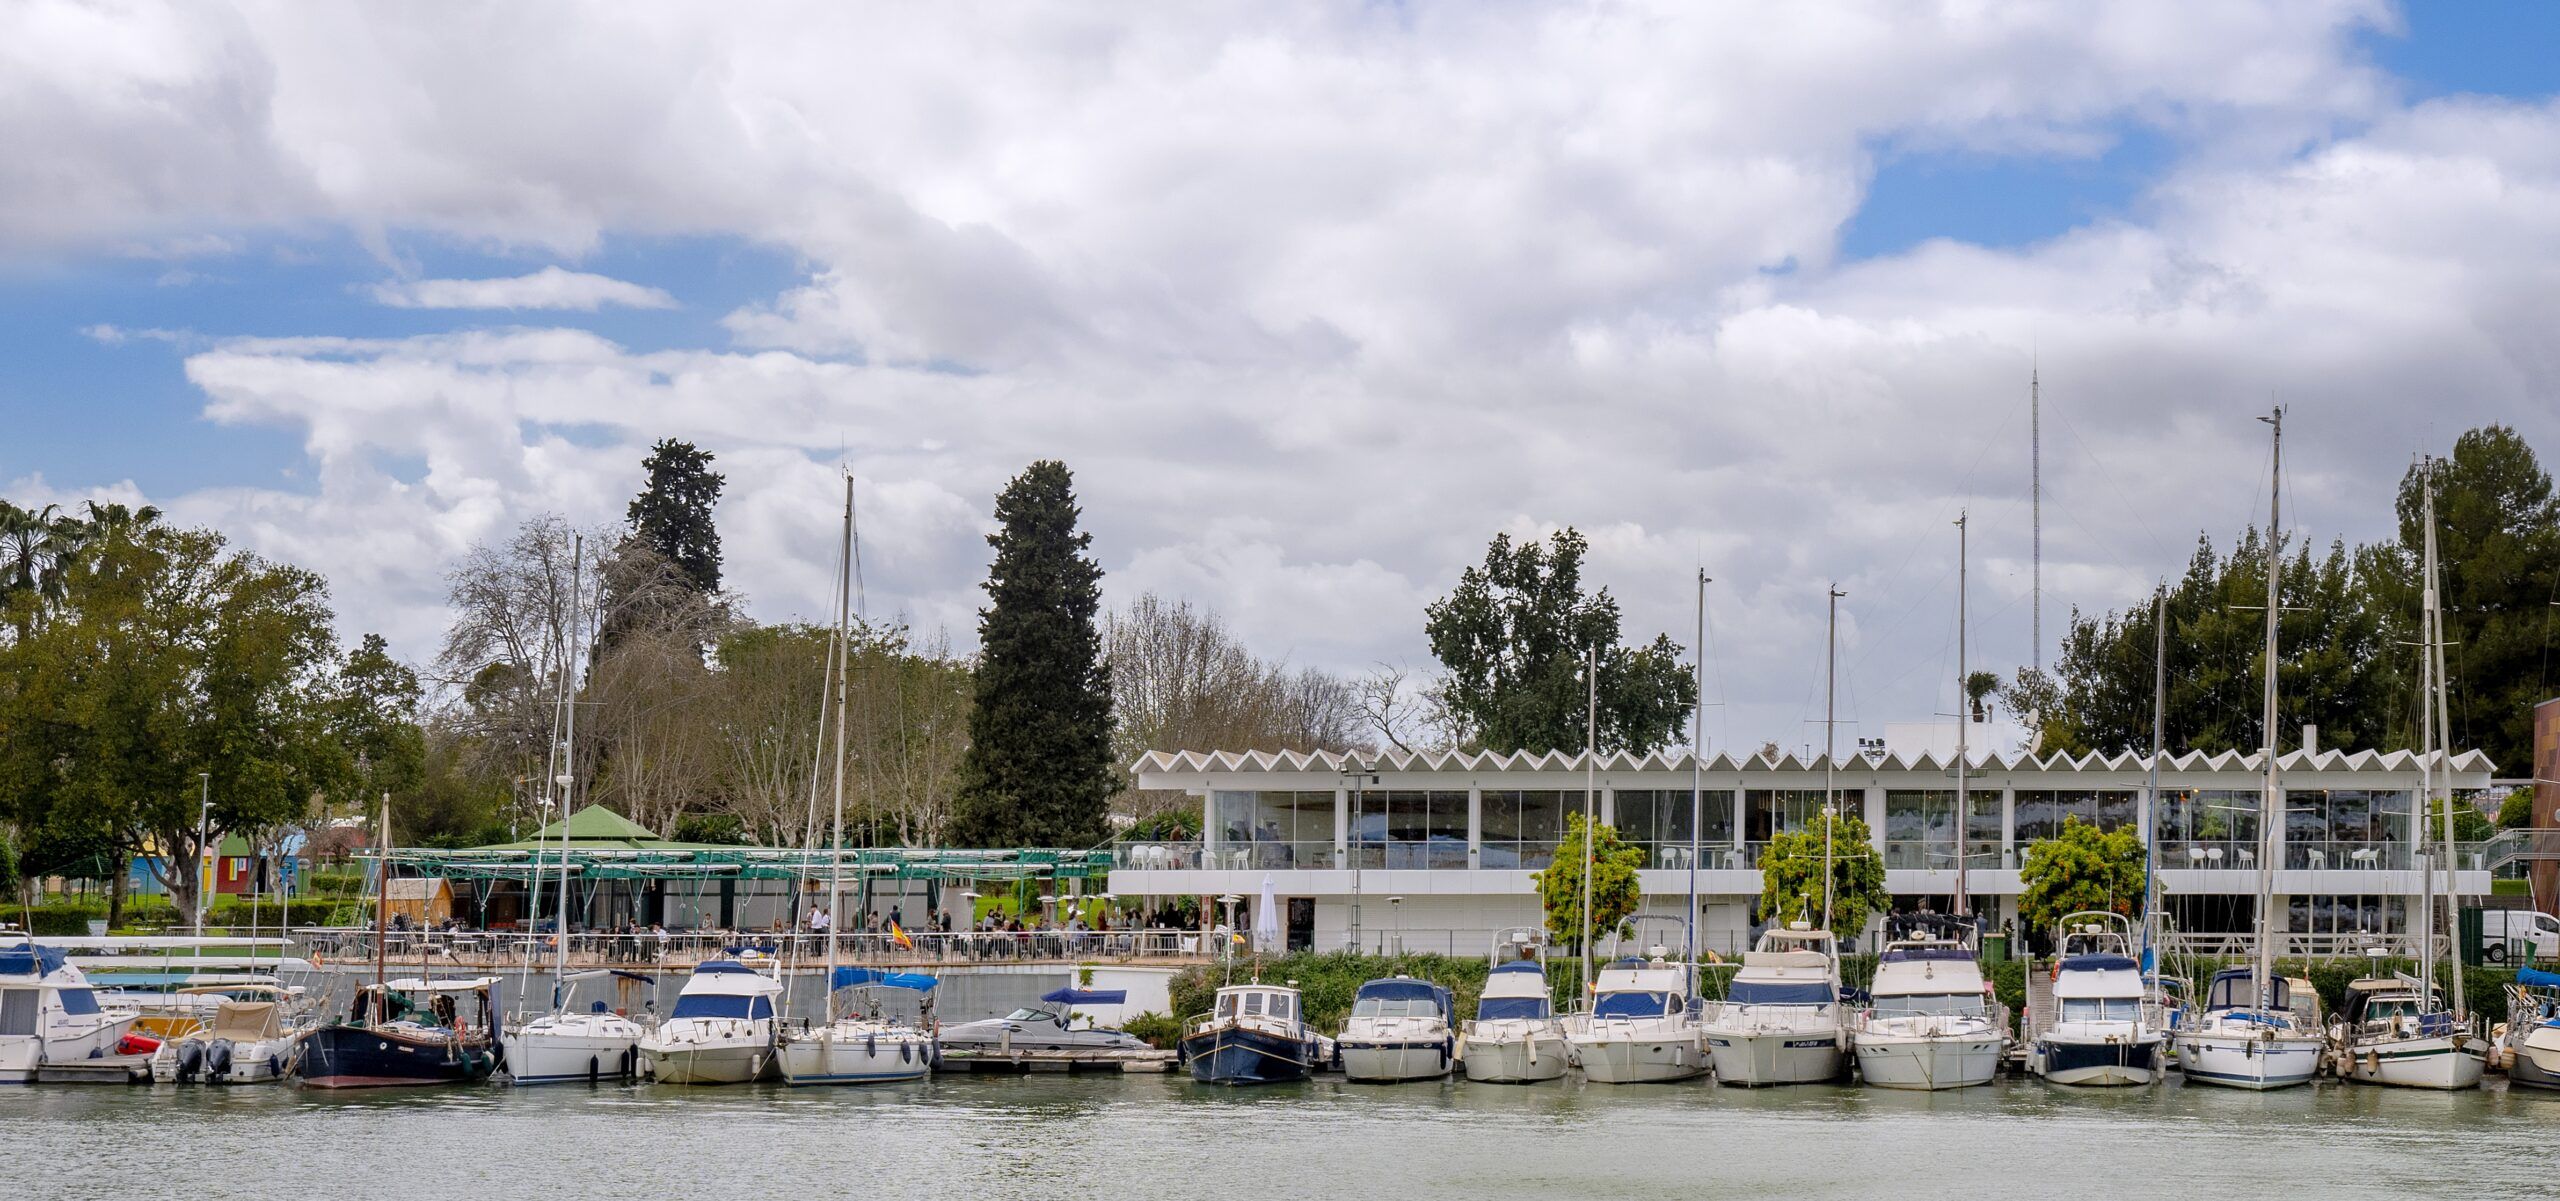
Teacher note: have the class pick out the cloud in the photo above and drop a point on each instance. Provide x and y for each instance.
(549, 288)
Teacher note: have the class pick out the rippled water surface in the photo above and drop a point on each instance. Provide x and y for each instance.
(1114, 1137)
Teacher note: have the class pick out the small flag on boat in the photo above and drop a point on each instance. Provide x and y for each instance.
(900, 936)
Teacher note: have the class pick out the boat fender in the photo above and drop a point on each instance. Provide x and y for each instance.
(630, 1056)
(595, 1068)
(1444, 1054)
(904, 1049)
(275, 1065)
(871, 1045)
(190, 1059)
(217, 1060)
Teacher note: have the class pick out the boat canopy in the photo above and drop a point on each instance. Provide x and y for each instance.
(2236, 988)
(1403, 988)
(27, 960)
(1087, 996)
(2537, 978)
(1529, 967)
(1779, 992)
(855, 977)
(1514, 1009)
(723, 967)
(2098, 963)
(1632, 1005)
(474, 984)
(738, 1006)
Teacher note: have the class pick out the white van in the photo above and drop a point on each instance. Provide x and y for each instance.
(2518, 933)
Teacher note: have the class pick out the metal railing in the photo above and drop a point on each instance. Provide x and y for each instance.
(335, 945)
(2288, 946)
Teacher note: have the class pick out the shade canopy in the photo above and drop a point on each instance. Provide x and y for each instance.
(850, 977)
(1087, 996)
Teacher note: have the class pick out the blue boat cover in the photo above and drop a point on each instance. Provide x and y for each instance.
(2536, 978)
(1917, 954)
(30, 960)
(1528, 967)
(1771, 992)
(848, 977)
(2094, 962)
(722, 1005)
(1087, 996)
(1505, 1009)
(722, 967)
(1632, 1005)
(1404, 990)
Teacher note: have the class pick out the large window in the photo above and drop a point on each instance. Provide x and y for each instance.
(1400, 828)
(2041, 814)
(2347, 828)
(1658, 821)
(1522, 827)
(1920, 829)
(2207, 828)
(1767, 813)
(1272, 829)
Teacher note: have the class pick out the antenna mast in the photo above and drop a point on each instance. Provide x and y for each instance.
(2035, 502)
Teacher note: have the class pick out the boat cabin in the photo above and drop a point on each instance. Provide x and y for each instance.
(1402, 997)
(2236, 988)
(1641, 988)
(1515, 992)
(2393, 1000)
(1257, 1002)
(451, 1004)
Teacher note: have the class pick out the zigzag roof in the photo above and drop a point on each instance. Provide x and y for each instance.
(1179, 762)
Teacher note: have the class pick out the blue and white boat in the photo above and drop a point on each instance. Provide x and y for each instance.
(2104, 1030)
(2248, 1037)
(2530, 1044)
(1642, 1026)
(870, 1038)
(50, 1015)
(1932, 1022)
(1257, 1035)
(1780, 1020)
(1515, 1037)
(722, 1030)
(1400, 1029)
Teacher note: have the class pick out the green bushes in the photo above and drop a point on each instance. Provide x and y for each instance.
(1155, 1029)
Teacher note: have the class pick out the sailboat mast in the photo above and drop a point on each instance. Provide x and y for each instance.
(835, 848)
(1830, 694)
(381, 909)
(2271, 803)
(1964, 724)
(1590, 800)
(1697, 777)
(2151, 787)
(2443, 725)
(567, 779)
(2426, 916)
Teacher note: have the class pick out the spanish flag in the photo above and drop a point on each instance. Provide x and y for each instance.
(901, 937)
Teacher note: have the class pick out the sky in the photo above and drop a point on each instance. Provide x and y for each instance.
(1314, 299)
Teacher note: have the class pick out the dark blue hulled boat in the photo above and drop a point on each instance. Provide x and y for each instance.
(1256, 1035)
(390, 1038)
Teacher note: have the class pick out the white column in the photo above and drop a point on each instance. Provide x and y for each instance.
(1475, 826)
(2009, 828)
(1342, 826)
(1874, 807)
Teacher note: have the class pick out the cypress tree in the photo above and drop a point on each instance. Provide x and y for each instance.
(1038, 772)
(672, 514)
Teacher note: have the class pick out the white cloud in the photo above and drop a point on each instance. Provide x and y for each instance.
(549, 288)
(1315, 299)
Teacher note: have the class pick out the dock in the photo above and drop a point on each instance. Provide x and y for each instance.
(105, 1069)
(1026, 1061)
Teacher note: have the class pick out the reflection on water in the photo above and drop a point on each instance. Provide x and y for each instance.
(1162, 1136)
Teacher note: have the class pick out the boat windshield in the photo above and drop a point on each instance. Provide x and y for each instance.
(1779, 992)
(1256, 1004)
(716, 1005)
(1632, 1005)
(1911, 1004)
(1513, 1009)
(1031, 1015)
(1394, 1007)
(2100, 1009)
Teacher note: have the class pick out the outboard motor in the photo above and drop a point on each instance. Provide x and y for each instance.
(217, 1061)
(190, 1059)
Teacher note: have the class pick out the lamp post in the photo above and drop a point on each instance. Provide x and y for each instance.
(204, 844)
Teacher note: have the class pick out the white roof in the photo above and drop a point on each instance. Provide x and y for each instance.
(2464, 762)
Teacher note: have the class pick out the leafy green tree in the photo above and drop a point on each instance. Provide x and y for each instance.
(1038, 770)
(1615, 893)
(377, 720)
(1791, 875)
(2516, 812)
(673, 513)
(2077, 870)
(166, 657)
(1512, 636)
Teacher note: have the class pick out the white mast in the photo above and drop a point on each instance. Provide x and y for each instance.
(1964, 725)
(835, 848)
(1830, 794)
(567, 779)
(2271, 804)
(1590, 800)
(2442, 739)
(2035, 505)
(2151, 787)
(1697, 777)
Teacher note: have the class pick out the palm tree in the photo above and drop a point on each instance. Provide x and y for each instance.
(33, 543)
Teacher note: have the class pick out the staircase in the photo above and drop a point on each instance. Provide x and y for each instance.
(2040, 1005)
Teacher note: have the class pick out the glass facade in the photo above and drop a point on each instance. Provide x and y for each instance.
(1658, 821)
(1272, 829)
(1522, 826)
(2042, 813)
(1769, 812)
(1920, 829)
(2207, 827)
(1400, 828)
(2347, 828)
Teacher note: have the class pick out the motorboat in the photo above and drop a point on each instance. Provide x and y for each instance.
(2529, 1043)
(1780, 1019)
(241, 1042)
(1257, 1034)
(864, 1040)
(722, 1029)
(1515, 1037)
(403, 1032)
(577, 1043)
(1931, 1022)
(49, 1014)
(2248, 1037)
(1642, 1026)
(1055, 1024)
(2104, 1031)
(1400, 1029)
(2396, 1030)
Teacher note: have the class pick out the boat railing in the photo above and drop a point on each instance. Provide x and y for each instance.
(442, 948)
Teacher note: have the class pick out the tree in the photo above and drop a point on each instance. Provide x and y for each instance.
(2080, 869)
(1512, 636)
(170, 665)
(2516, 811)
(672, 516)
(1791, 875)
(1038, 770)
(376, 715)
(1181, 681)
(1615, 892)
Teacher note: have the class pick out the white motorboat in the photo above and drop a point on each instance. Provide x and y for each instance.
(2395, 1030)
(1932, 1023)
(571, 1044)
(1780, 1019)
(2246, 1037)
(49, 1014)
(1056, 1024)
(721, 1031)
(1400, 1029)
(2104, 1030)
(243, 1041)
(1515, 1037)
(2529, 1043)
(1642, 1026)
(864, 1041)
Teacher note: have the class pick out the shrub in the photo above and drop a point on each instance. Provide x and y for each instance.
(1155, 1029)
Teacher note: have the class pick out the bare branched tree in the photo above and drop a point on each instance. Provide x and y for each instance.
(1181, 681)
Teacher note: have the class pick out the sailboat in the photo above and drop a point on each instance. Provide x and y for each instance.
(388, 1036)
(2249, 1034)
(860, 1040)
(2395, 1029)
(569, 1044)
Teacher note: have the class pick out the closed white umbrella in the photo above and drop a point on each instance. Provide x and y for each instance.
(1266, 918)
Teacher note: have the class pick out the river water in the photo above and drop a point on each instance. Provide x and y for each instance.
(1105, 1138)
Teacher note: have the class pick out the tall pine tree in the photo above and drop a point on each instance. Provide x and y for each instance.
(1038, 771)
(672, 514)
